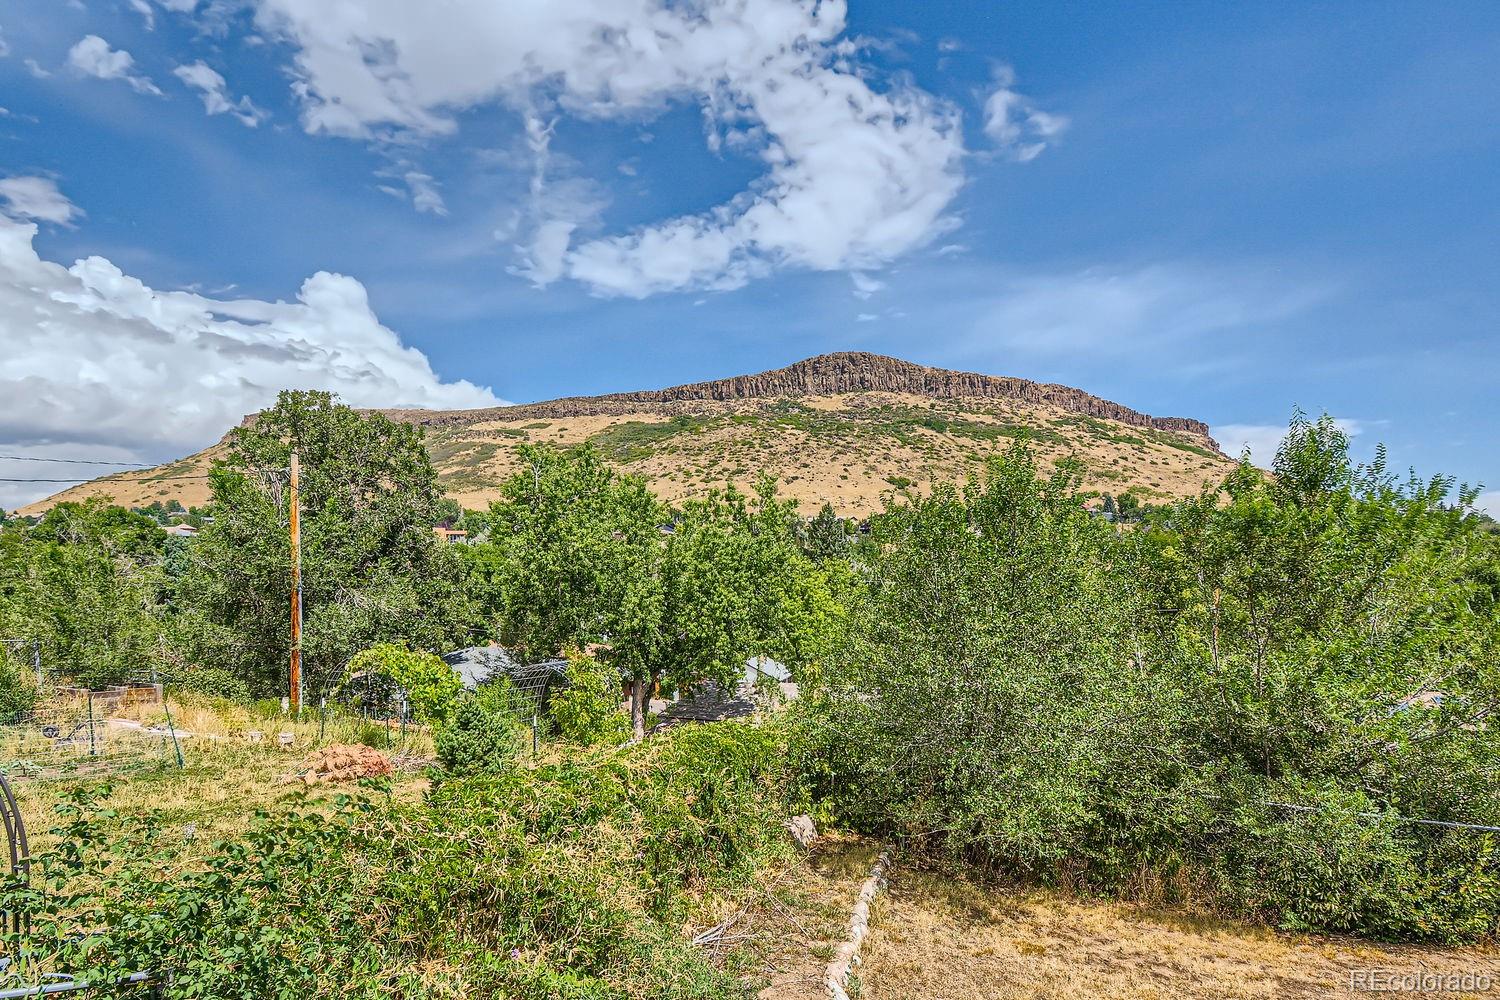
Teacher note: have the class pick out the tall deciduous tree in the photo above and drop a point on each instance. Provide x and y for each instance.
(1336, 623)
(372, 570)
(87, 585)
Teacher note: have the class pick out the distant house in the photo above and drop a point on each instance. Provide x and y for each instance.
(181, 531)
(764, 681)
(450, 535)
(476, 665)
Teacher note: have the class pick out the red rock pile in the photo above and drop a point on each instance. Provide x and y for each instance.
(342, 762)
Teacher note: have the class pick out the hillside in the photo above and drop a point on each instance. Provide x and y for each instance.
(840, 428)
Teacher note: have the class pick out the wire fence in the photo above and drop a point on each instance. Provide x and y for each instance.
(518, 692)
(75, 732)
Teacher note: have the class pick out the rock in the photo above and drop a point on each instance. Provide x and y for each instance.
(826, 374)
(342, 762)
(803, 830)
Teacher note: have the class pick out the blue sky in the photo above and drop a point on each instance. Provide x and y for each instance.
(1214, 210)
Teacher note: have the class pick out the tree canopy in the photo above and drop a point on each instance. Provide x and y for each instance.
(581, 556)
(372, 570)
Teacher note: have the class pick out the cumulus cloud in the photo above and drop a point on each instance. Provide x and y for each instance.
(1016, 126)
(854, 176)
(212, 88)
(98, 362)
(92, 56)
(1262, 440)
(36, 198)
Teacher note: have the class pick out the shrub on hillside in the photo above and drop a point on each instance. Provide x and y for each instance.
(482, 736)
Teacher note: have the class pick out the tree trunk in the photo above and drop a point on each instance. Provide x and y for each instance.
(640, 692)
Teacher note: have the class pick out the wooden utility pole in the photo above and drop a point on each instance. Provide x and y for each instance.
(295, 699)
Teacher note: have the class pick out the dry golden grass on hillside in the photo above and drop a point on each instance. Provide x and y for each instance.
(848, 450)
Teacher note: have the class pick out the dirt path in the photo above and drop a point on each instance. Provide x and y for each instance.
(940, 939)
(781, 936)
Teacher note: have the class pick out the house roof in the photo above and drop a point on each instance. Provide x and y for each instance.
(477, 664)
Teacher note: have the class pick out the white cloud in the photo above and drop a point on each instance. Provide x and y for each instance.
(35, 68)
(96, 360)
(855, 177)
(147, 12)
(1489, 503)
(4, 46)
(36, 198)
(545, 259)
(866, 318)
(1263, 439)
(864, 285)
(424, 193)
(1014, 124)
(92, 56)
(212, 88)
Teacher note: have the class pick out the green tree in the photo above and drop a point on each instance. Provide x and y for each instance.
(372, 570)
(86, 582)
(587, 710)
(990, 685)
(1312, 606)
(736, 585)
(580, 555)
(825, 536)
(574, 554)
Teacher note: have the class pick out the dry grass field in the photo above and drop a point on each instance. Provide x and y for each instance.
(937, 938)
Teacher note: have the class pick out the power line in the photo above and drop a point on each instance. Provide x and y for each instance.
(118, 479)
(73, 461)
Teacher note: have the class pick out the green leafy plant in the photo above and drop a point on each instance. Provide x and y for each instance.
(18, 693)
(431, 685)
(587, 710)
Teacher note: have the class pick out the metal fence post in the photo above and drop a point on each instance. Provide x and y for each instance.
(172, 731)
(93, 749)
(36, 661)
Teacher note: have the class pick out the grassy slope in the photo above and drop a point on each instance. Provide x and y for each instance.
(933, 937)
(937, 938)
(847, 449)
